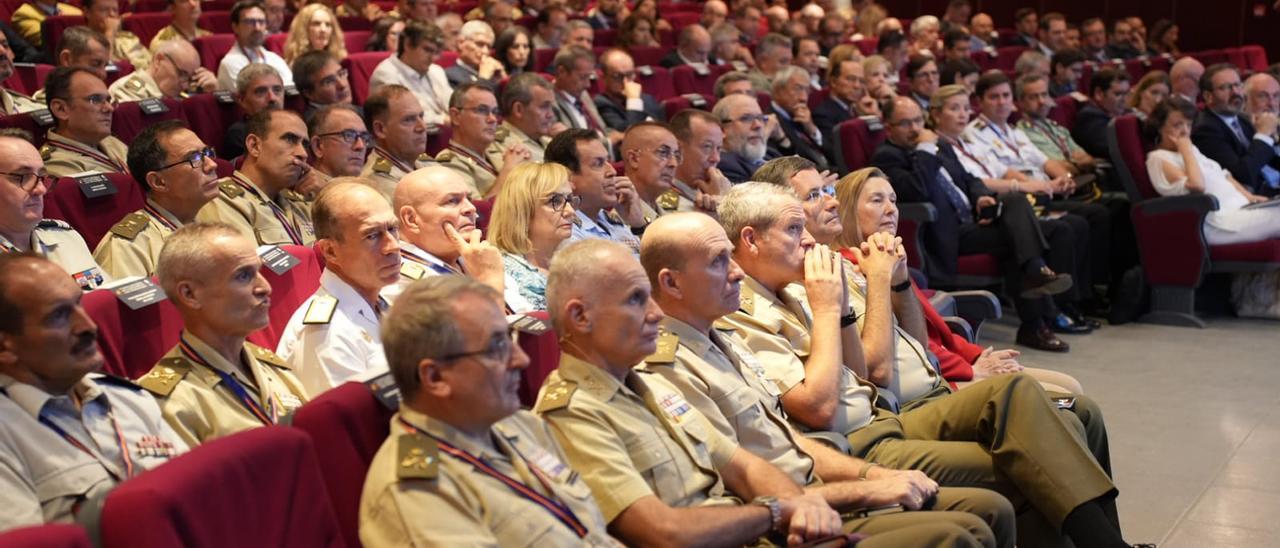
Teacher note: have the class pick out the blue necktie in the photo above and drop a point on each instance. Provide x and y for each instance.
(1239, 131)
(955, 197)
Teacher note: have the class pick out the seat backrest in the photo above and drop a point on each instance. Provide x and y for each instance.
(360, 66)
(210, 118)
(544, 357)
(681, 19)
(983, 59)
(260, 487)
(25, 122)
(152, 331)
(355, 23)
(542, 58)
(439, 140)
(446, 58)
(605, 37)
(213, 48)
(1255, 58)
(1007, 56)
(128, 120)
(355, 40)
(686, 80)
(856, 143)
(52, 27)
(288, 292)
(146, 25)
(275, 42)
(672, 105)
(27, 77)
(1129, 155)
(348, 425)
(94, 217)
(646, 55)
(657, 84)
(484, 209)
(1064, 111)
(216, 21)
(51, 535)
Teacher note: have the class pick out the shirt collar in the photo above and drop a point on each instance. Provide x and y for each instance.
(590, 377)
(481, 448)
(212, 357)
(420, 253)
(347, 295)
(408, 70)
(700, 343)
(33, 400)
(164, 212)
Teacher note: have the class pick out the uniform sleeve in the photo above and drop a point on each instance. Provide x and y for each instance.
(774, 352)
(185, 421)
(439, 513)
(119, 259)
(18, 497)
(595, 451)
(222, 210)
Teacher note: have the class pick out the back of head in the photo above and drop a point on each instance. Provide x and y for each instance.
(779, 171)
(423, 325)
(682, 123)
(751, 204)
(417, 32)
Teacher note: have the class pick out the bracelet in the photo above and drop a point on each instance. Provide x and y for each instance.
(866, 467)
(905, 285)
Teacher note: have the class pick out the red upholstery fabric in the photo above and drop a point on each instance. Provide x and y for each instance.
(439, 141)
(152, 331)
(1255, 58)
(1133, 154)
(52, 27)
(1008, 55)
(347, 425)
(54, 535)
(908, 230)
(146, 25)
(605, 38)
(542, 58)
(123, 68)
(213, 48)
(483, 210)
(209, 118)
(26, 79)
(867, 45)
(1172, 246)
(446, 58)
(225, 167)
(646, 55)
(685, 80)
(360, 67)
(94, 217)
(981, 264)
(668, 9)
(673, 105)
(217, 21)
(7, 7)
(128, 120)
(983, 59)
(857, 144)
(1065, 111)
(260, 487)
(460, 8)
(544, 357)
(657, 84)
(681, 19)
(288, 292)
(1252, 252)
(355, 23)
(275, 42)
(355, 39)
(24, 121)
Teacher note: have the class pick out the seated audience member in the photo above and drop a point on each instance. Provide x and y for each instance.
(81, 47)
(339, 142)
(104, 16)
(833, 30)
(259, 199)
(623, 102)
(334, 336)
(714, 12)
(532, 215)
(1031, 62)
(925, 31)
(1184, 78)
(51, 385)
(185, 25)
(892, 46)
(354, 8)
(693, 48)
(1148, 92)
(500, 15)
(314, 28)
(528, 105)
(845, 100)
(727, 48)
(607, 203)
(214, 382)
(413, 498)
(607, 14)
(772, 54)
(579, 34)
(745, 148)
(275, 10)
(1164, 39)
(474, 61)
(258, 88)
(925, 168)
(22, 226)
(394, 116)
(177, 172)
(877, 71)
(1027, 25)
(1051, 34)
(321, 80)
(450, 26)
(637, 32)
(414, 68)
(733, 83)
(1243, 144)
(807, 54)
(1066, 67)
(962, 72)
(698, 181)
(575, 68)
(1108, 89)
(982, 32)
(386, 34)
(550, 27)
(28, 19)
(747, 20)
(650, 156)
(418, 10)
(1120, 45)
(513, 50)
(474, 115)
(1261, 94)
(1138, 36)
(249, 23)
(800, 136)
(81, 139)
(175, 72)
(12, 102)
(955, 45)
(922, 75)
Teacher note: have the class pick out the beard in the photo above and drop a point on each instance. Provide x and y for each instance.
(755, 152)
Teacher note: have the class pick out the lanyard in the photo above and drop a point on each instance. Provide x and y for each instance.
(234, 385)
(124, 445)
(1000, 135)
(155, 214)
(483, 163)
(438, 268)
(556, 508)
(959, 145)
(85, 151)
(1047, 130)
(275, 210)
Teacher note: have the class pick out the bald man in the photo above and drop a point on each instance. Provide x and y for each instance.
(1261, 94)
(651, 154)
(174, 72)
(693, 48)
(1184, 78)
(334, 336)
(714, 12)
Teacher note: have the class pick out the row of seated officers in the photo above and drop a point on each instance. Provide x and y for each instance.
(694, 363)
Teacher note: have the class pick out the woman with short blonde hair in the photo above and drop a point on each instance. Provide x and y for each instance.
(315, 28)
(532, 215)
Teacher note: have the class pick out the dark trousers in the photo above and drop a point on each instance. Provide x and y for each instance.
(1016, 238)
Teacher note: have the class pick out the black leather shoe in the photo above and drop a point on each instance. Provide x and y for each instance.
(1081, 319)
(1063, 323)
(1044, 282)
(1042, 339)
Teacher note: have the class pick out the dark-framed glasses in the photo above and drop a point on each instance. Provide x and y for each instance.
(498, 350)
(349, 136)
(194, 159)
(558, 201)
(28, 181)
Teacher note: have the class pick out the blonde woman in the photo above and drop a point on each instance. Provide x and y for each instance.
(1148, 92)
(876, 70)
(868, 204)
(532, 216)
(314, 28)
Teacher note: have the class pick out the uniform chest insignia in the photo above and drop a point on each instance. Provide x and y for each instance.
(445, 156)
(424, 157)
(417, 457)
(382, 165)
(669, 200)
(46, 151)
(667, 344)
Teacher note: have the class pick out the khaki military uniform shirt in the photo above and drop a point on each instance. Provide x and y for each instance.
(913, 374)
(128, 47)
(28, 20)
(386, 171)
(64, 157)
(200, 406)
(776, 328)
(436, 498)
(171, 32)
(286, 220)
(479, 172)
(58, 242)
(722, 379)
(333, 337)
(43, 476)
(12, 102)
(132, 247)
(135, 87)
(509, 136)
(634, 440)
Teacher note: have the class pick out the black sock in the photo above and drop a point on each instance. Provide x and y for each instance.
(1088, 525)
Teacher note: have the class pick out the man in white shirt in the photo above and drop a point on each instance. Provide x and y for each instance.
(414, 68)
(249, 23)
(335, 336)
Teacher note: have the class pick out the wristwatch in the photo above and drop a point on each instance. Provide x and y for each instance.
(775, 510)
(848, 319)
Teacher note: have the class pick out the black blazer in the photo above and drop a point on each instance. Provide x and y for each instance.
(739, 169)
(801, 144)
(617, 116)
(1217, 142)
(1090, 130)
(915, 178)
(827, 115)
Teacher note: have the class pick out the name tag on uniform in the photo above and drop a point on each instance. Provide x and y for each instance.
(137, 292)
(277, 259)
(384, 389)
(94, 185)
(153, 106)
(528, 324)
(675, 406)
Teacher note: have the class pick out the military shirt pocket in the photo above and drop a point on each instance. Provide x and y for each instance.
(62, 491)
(654, 462)
(736, 402)
(517, 531)
(271, 234)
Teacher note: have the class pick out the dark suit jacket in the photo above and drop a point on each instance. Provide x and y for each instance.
(1120, 51)
(458, 75)
(738, 169)
(827, 115)
(617, 116)
(801, 144)
(671, 59)
(914, 176)
(1216, 141)
(1090, 130)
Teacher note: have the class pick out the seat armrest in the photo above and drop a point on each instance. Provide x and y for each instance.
(919, 212)
(960, 327)
(836, 441)
(943, 303)
(976, 305)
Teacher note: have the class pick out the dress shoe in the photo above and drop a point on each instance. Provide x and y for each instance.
(1082, 319)
(1044, 282)
(1042, 339)
(1062, 323)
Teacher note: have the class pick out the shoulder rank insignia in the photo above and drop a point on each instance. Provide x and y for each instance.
(382, 165)
(131, 225)
(413, 271)
(320, 311)
(46, 152)
(231, 189)
(416, 457)
(164, 377)
(263, 355)
(615, 218)
(424, 157)
(292, 195)
(135, 84)
(747, 301)
(555, 396)
(53, 223)
(668, 342)
(445, 156)
(501, 134)
(669, 200)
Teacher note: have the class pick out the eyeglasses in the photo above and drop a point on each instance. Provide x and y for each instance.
(254, 22)
(333, 79)
(195, 159)
(817, 194)
(558, 201)
(498, 350)
(183, 75)
(917, 121)
(28, 181)
(97, 99)
(748, 119)
(621, 76)
(349, 136)
(666, 154)
(484, 112)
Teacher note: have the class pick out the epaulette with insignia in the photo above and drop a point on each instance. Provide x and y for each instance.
(292, 195)
(164, 377)
(747, 302)
(615, 218)
(980, 123)
(669, 200)
(424, 157)
(131, 225)
(229, 188)
(412, 270)
(555, 396)
(445, 156)
(135, 84)
(53, 223)
(46, 152)
(417, 457)
(263, 355)
(501, 134)
(382, 165)
(668, 342)
(320, 311)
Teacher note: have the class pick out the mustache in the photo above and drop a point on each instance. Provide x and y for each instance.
(84, 341)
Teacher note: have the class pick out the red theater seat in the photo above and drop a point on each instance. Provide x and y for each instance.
(447, 58)
(152, 331)
(856, 143)
(94, 217)
(217, 22)
(355, 23)
(53, 535)
(681, 19)
(673, 105)
(288, 292)
(275, 42)
(25, 122)
(128, 120)
(439, 140)
(146, 25)
(27, 78)
(53, 26)
(1008, 55)
(687, 80)
(605, 38)
(355, 40)
(1064, 112)
(213, 48)
(260, 487)
(544, 357)
(348, 425)
(360, 66)
(657, 84)
(210, 118)
(647, 56)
